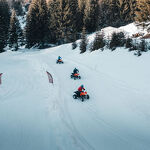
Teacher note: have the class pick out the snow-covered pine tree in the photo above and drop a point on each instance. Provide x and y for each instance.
(128, 43)
(15, 31)
(74, 45)
(4, 23)
(114, 41)
(117, 40)
(84, 42)
(143, 46)
(98, 42)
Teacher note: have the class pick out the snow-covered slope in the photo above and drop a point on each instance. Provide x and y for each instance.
(129, 30)
(35, 115)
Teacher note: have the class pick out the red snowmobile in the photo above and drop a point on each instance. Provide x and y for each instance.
(81, 95)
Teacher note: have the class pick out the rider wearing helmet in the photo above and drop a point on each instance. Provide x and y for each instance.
(75, 71)
(59, 58)
(80, 89)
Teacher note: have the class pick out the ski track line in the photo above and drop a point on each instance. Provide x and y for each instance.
(70, 125)
(73, 129)
(98, 118)
(76, 139)
(62, 114)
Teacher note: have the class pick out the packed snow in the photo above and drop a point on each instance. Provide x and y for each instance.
(129, 30)
(37, 115)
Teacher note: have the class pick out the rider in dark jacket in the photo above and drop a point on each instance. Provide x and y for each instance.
(75, 71)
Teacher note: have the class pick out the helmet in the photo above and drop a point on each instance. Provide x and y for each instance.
(82, 86)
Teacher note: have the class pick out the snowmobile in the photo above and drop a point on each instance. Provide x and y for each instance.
(83, 95)
(59, 61)
(75, 76)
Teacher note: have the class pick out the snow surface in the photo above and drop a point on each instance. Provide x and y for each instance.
(36, 115)
(129, 30)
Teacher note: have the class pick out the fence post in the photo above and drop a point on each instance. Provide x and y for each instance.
(1, 78)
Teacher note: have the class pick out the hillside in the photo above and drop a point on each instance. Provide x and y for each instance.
(36, 115)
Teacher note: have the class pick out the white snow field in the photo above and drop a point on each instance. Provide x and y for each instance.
(36, 115)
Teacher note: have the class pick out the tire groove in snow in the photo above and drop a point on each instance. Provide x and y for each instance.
(76, 138)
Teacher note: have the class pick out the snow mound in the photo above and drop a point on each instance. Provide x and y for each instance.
(129, 30)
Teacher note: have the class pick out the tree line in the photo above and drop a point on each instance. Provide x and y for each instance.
(62, 21)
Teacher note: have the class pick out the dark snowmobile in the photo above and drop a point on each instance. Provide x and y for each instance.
(81, 95)
(59, 61)
(75, 76)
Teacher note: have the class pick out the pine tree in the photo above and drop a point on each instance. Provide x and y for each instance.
(104, 13)
(143, 11)
(98, 42)
(42, 22)
(4, 23)
(118, 39)
(31, 23)
(53, 25)
(115, 17)
(83, 44)
(74, 17)
(117, 12)
(74, 45)
(109, 13)
(64, 19)
(81, 22)
(15, 31)
(91, 15)
(37, 23)
(143, 46)
(61, 24)
(128, 43)
(17, 6)
(127, 10)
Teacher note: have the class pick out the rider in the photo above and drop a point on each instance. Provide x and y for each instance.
(80, 89)
(59, 58)
(75, 71)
